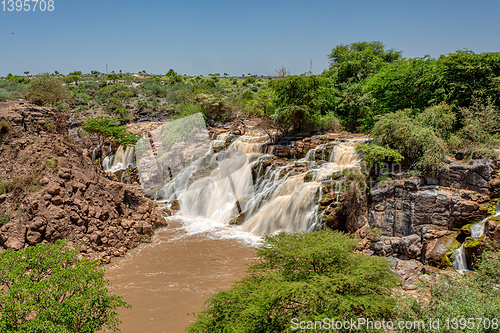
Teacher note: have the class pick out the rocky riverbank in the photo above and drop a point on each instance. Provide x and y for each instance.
(52, 190)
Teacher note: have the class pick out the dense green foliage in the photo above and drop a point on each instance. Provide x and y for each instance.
(469, 296)
(302, 100)
(413, 83)
(357, 61)
(45, 288)
(308, 276)
(468, 76)
(450, 103)
(108, 126)
(418, 143)
(374, 154)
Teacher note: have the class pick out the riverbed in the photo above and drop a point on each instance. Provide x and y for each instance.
(170, 278)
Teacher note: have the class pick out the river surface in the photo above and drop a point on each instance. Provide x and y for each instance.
(171, 277)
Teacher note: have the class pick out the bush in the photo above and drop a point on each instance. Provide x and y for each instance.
(480, 121)
(374, 154)
(417, 143)
(440, 117)
(307, 276)
(107, 126)
(46, 89)
(214, 106)
(299, 98)
(186, 109)
(108, 91)
(354, 107)
(45, 288)
(154, 88)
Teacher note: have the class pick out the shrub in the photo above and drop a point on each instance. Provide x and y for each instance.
(46, 89)
(440, 117)
(415, 142)
(374, 154)
(154, 88)
(480, 121)
(107, 126)
(108, 91)
(214, 106)
(186, 109)
(299, 97)
(307, 276)
(45, 288)
(324, 123)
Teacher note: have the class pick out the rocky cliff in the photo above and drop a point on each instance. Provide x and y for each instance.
(425, 219)
(51, 190)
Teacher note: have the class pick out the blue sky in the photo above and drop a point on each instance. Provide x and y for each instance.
(237, 37)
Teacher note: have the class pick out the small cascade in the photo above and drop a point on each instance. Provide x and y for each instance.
(121, 160)
(99, 146)
(248, 144)
(311, 156)
(476, 231)
(459, 260)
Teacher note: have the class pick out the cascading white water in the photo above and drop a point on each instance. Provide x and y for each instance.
(277, 202)
(459, 260)
(476, 231)
(122, 159)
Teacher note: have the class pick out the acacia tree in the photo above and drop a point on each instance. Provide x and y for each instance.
(282, 72)
(306, 276)
(45, 288)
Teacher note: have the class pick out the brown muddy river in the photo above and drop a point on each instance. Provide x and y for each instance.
(171, 277)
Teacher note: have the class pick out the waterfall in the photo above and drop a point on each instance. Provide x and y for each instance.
(271, 202)
(459, 260)
(476, 231)
(310, 156)
(122, 159)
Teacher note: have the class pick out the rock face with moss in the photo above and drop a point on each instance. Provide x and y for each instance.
(51, 190)
(417, 217)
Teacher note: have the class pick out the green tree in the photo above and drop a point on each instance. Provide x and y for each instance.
(354, 106)
(413, 83)
(308, 276)
(108, 126)
(75, 76)
(45, 288)
(300, 98)
(467, 75)
(357, 61)
(113, 77)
